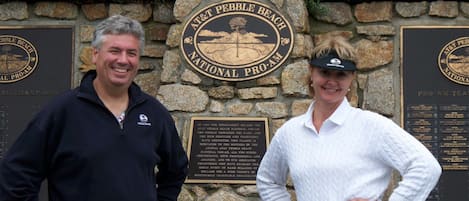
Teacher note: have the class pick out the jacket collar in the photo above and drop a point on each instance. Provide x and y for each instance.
(86, 89)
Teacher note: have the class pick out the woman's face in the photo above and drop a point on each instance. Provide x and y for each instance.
(330, 86)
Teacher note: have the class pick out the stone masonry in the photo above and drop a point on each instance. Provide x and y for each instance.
(373, 28)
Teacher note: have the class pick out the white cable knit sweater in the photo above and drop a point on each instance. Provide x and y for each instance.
(352, 157)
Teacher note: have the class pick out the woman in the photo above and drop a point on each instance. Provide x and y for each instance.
(335, 152)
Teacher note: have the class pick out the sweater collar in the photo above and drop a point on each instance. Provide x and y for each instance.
(338, 117)
(340, 114)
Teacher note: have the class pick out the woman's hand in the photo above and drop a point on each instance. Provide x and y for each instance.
(358, 199)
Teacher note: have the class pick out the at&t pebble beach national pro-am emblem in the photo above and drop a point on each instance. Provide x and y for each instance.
(236, 40)
(454, 60)
(18, 58)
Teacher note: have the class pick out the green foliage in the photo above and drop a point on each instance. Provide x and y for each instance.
(315, 7)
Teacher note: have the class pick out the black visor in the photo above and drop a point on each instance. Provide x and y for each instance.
(333, 62)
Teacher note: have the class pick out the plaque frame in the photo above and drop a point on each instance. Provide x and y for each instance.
(194, 120)
(433, 100)
(42, 44)
(26, 34)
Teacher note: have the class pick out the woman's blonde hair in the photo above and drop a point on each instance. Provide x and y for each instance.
(335, 43)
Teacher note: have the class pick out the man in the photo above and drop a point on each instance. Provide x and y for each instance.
(104, 140)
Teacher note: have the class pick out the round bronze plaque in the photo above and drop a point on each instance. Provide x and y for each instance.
(236, 40)
(454, 60)
(18, 58)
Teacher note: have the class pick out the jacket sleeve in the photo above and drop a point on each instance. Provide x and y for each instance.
(272, 173)
(418, 167)
(173, 169)
(23, 168)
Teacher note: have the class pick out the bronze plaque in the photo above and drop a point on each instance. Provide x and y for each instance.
(237, 40)
(35, 65)
(435, 101)
(226, 149)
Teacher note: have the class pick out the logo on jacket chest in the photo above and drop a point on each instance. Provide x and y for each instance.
(143, 120)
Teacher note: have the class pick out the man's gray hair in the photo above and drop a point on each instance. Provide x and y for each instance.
(117, 25)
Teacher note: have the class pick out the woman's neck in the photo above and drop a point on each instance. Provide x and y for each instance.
(321, 112)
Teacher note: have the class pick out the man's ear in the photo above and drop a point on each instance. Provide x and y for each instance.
(94, 55)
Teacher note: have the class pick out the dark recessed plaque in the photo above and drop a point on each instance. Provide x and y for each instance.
(435, 101)
(226, 149)
(36, 64)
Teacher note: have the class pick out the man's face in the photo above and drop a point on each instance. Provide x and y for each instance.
(117, 60)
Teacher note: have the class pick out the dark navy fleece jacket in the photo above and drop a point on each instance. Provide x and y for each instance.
(77, 144)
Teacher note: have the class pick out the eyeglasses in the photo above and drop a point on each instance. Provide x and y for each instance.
(334, 73)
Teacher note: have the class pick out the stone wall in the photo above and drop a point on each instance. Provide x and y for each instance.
(374, 28)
